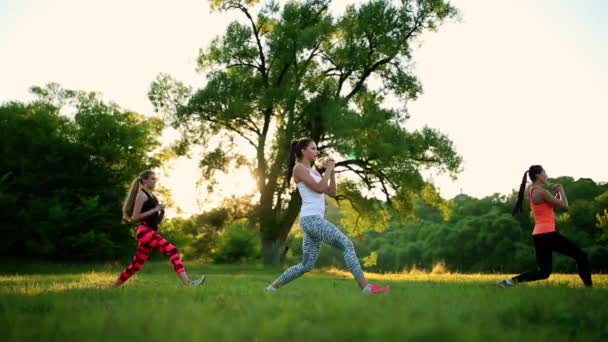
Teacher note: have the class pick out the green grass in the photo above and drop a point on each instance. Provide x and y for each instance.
(74, 303)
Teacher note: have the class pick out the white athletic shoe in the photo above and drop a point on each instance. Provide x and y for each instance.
(506, 283)
(198, 282)
(271, 288)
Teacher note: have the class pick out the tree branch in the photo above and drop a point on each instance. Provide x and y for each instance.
(283, 73)
(365, 75)
(253, 126)
(312, 55)
(368, 71)
(341, 81)
(331, 72)
(327, 58)
(243, 65)
(363, 175)
(256, 33)
(382, 179)
(231, 128)
(359, 162)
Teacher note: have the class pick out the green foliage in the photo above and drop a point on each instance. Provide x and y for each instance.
(292, 70)
(358, 213)
(480, 235)
(199, 237)
(238, 243)
(65, 175)
(602, 224)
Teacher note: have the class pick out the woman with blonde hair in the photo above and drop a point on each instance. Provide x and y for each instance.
(142, 206)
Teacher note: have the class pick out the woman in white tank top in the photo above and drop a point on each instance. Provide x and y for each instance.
(313, 187)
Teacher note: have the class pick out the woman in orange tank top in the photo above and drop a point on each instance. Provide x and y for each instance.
(545, 236)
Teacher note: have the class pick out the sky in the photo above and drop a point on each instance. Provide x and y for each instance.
(512, 83)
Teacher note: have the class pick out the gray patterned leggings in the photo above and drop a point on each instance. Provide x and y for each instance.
(316, 230)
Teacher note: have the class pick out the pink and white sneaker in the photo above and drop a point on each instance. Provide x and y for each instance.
(373, 289)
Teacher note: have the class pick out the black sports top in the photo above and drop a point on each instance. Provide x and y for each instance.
(153, 220)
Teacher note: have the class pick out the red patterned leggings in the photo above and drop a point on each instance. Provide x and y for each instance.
(148, 240)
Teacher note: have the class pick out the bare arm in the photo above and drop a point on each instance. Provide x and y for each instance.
(332, 185)
(139, 203)
(560, 201)
(301, 174)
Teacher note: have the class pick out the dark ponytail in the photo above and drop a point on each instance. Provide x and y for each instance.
(520, 196)
(295, 153)
(532, 172)
(293, 150)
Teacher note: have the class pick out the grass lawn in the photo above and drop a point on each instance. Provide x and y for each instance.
(42, 302)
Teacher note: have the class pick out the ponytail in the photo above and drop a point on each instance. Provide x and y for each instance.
(520, 196)
(127, 208)
(533, 173)
(293, 151)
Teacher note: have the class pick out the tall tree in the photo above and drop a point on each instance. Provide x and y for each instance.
(292, 71)
(64, 175)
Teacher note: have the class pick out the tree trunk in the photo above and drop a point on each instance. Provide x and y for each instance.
(275, 227)
(273, 251)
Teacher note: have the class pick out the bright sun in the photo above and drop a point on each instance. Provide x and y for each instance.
(183, 179)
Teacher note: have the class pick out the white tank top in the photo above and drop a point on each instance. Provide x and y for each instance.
(313, 203)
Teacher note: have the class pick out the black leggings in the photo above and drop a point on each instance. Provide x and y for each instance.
(545, 245)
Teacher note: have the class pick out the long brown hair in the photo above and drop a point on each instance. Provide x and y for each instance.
(295, 153)
(127, 208)
(533, 173)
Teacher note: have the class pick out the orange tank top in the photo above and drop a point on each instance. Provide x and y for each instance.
(544, 216)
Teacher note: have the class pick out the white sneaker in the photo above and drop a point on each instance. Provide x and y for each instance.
(271, 288)
(506, 283)
(198, 282)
